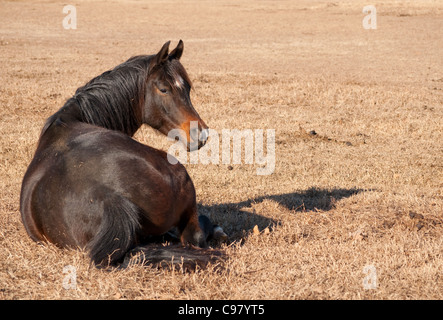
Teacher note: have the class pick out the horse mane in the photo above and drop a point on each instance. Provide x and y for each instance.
(113, 99)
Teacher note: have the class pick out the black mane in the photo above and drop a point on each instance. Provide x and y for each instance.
(112, 99)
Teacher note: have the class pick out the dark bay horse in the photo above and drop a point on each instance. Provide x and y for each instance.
(90, 185)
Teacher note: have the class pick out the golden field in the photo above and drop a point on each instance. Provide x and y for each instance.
(361, 198)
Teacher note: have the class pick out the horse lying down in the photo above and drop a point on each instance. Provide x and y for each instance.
(90, 185)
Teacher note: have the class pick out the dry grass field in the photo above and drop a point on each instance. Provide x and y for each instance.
(354, 207)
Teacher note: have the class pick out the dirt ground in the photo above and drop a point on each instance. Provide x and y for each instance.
(354, 207)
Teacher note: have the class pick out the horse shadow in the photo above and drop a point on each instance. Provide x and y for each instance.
(238, 219)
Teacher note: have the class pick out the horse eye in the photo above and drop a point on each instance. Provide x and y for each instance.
(163, 90)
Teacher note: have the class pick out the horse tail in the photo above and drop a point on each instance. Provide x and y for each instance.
(186, 258)
(117, 232)
(116, 240)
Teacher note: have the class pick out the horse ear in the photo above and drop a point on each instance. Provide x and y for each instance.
(177, 52)
(162, 55)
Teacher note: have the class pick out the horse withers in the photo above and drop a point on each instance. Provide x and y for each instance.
(90, 185)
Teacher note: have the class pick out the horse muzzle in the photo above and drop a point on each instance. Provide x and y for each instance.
(198, 137)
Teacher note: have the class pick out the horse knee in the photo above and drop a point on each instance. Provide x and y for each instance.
(194, 235)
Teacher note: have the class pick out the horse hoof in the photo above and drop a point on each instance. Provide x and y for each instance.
(219, 234)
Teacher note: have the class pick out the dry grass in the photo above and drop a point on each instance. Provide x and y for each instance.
(365, 190)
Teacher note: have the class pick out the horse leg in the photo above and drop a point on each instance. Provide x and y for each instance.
(211, 231)
(190, 230)
(206, 226)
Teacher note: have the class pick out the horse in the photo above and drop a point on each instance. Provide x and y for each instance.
(91, 185)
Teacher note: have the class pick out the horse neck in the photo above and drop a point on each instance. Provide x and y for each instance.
(113, 100)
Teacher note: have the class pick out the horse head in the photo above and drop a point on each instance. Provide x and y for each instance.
(167, 103)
